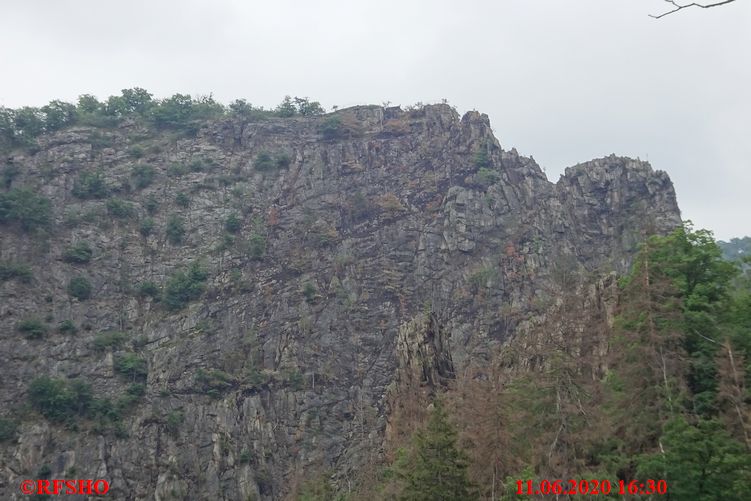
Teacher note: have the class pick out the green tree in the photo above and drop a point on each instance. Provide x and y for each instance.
(88, 104)
(58, 114)
(286, 108)
(435, 469)
(699, 462)
(137, 100)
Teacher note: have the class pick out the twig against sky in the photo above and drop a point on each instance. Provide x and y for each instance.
(692, 4)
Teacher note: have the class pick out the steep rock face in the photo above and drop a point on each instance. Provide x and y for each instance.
(281, 369)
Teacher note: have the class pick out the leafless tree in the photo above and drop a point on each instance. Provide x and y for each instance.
(678, 6)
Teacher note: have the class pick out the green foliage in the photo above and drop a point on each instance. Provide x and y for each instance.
(28, 123)
(120, 209)
(10, 172)
(242, 109)
(8, 429)
(175, 229)
(136, 152)
(266, 162)
(32, 328)
(485, 177)
(79, 253)
(256, 246)
(60, 400)
(25, 208)
(244, 457)
(233, 223)
(699, 462)
(151, 205)
(185, 286)
(131, 366)
(482, 159)
(80, 288)
(174, 112)
(332, 128)
(58, 115)
(482, 277)
(294, 379)
(173, 422)
(198, 165)
(149, 289)
(286, 108)
(309, 291)
(90, 185)
(317, 489)
(10, 270)
(183, 112)
(302, 106)
(182, 200)
(67, 327)
(176, 170)
(435, 468)
(146, 227)
(213, 382)
(109, 340)
(143, 176)
(136, 100)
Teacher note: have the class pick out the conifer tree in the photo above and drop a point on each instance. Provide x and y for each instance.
(435, 469)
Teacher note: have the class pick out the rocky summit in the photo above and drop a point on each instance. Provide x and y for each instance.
(239, 308)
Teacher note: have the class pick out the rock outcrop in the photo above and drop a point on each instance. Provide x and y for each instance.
(282, 366)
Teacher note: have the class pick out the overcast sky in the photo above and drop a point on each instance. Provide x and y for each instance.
(562, 81)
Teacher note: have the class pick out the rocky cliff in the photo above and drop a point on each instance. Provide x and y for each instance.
(256, 290)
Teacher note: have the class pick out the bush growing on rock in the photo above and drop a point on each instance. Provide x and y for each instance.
(90, 185)
(131, 366)
(184, 286)
(331, 128)
(15, 271)
(109, 340)
(67, 327)
(146, 227)
(233, 223)
(256, 246)
(143, 176)
(26, 208)
(32, 328)
(182, 200)
(120, 209)
(8, 429)
(175, 230)
(59, 400)
(80, 288)
(78, 253)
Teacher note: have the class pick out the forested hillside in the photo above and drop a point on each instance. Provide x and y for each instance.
(203, 301)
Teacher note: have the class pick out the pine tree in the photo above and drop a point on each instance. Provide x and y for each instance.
(435, 469)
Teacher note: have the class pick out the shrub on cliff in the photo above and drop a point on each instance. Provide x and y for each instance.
(143, 175)
(79, 253)
(26, 208)
(80, 288)
(15, 271)
(90, 185)
(184, 286)
(59, 400)
(175, 230)
(32, 328)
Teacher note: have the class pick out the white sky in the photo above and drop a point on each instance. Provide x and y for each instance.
(563, 81)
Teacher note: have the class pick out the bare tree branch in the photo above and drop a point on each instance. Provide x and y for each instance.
(692, 4)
